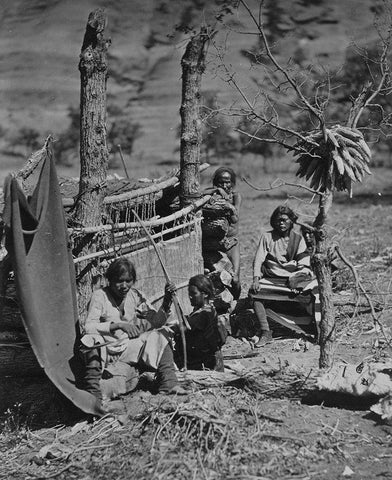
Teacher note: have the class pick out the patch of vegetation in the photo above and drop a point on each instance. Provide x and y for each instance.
(13, 427)
(219, 140)
(121, 131)
(27, 137)
(66, 146)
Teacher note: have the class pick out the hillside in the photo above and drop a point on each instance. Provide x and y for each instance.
(40, 42)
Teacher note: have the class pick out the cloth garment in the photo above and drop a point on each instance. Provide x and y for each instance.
(261, 319)
(94, 364)
(37, 242)
(135, 309)
(92, 372)
(284, 262)
(308, 298)
(204, 339)
(166, 376)
(220, 222)
(281, 257)
(150, 350)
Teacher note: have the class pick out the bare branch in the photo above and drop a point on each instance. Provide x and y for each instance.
(383, 86)
(317, 113)
(274, 185)
(360, 287)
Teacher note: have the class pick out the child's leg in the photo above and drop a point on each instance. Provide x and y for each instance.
(261, 316)
(234, 256)
(262, 327)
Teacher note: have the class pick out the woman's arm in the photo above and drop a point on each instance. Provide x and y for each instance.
(95, 314)
(237, 200)
(97, 321)
(302, 256)
(258, 261)
(148, 316)
(260, 256)
(234, 208)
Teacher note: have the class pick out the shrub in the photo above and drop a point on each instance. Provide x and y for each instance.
(28, 137)
(66, 146)
(218, 137)
(124, 132)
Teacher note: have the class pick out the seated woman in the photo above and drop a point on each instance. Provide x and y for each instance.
(120, 319)
(205, 337)
(220, 224)
(281, 257)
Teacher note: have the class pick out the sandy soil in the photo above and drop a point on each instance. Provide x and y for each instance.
(275, 427)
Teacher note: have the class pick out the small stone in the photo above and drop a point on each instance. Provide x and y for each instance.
(347, 472)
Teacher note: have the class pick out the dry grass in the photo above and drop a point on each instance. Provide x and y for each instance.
(264, 425)
(222, 432)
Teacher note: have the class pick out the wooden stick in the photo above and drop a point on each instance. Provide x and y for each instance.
(149, 223)
(122, 160)
(183, 323)
(156, 187)
(122, 197)
(112, 250)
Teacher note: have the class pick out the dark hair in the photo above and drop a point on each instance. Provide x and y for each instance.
(221, 170)
(203, 283)
(282, 210)
(120, 266)
(305, 229)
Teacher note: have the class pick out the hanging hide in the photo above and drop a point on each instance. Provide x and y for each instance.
(36, 238)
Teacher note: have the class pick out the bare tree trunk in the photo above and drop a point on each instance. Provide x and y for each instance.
(193, 66)
(321, 264)
(93, 148)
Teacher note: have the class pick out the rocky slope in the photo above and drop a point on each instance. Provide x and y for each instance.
(40, 41)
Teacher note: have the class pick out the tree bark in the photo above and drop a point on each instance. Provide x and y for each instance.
(93, 147)
(321, 264)
(193, 65)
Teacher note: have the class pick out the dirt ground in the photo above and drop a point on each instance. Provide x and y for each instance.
(272, 425)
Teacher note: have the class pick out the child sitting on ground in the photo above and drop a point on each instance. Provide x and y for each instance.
(204, 339)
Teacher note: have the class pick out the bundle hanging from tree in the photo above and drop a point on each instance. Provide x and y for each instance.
(339, 154)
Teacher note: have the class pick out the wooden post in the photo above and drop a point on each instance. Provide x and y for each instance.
(93, 147)
(321, 264)
(193, 66)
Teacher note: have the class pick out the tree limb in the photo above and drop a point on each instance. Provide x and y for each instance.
(281, 184)
(317, 113)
